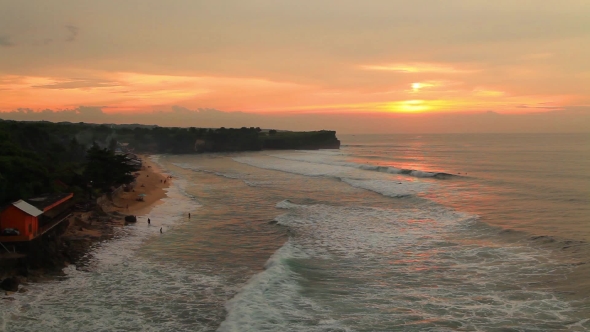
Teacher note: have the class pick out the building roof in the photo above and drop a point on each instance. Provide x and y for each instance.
(27, 208)
(48, 201)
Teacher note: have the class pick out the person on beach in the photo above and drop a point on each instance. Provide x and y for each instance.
(149, 221)
(189, 215)
(160, 230)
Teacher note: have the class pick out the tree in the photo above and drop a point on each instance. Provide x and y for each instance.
(113, 144)
(105, 169)
(22, 173)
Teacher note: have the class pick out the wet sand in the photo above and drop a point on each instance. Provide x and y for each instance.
(151, 182)
(86, 228)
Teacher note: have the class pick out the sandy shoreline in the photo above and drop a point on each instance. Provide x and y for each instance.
(83, 229)
(151, 182)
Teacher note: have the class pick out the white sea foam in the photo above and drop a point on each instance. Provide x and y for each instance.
(394, 269)
(380, 183)
(302, 168)
(328, 159)
(198, 168)
(390, 188)
(120, 288)
(271, 300)
(188, 166)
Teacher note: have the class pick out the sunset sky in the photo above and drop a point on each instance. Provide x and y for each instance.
(371, 59)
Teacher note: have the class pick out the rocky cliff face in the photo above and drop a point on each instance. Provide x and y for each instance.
(309, 140)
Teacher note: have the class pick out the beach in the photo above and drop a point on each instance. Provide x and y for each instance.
(365, 238)
(84, 229)
(151, 182)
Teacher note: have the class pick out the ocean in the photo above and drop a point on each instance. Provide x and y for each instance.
(389, 233)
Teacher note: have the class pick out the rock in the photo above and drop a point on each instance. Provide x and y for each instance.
(10, 284)
(23, 290)
(130, 219)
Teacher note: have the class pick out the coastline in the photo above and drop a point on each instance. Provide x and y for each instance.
(152, 182)
(90, 227)
(82, 230)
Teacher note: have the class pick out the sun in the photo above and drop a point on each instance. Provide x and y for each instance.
(408, 106)
(416, 86)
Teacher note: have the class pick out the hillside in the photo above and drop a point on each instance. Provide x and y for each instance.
(42, 157)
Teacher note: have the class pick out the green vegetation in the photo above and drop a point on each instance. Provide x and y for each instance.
(189, 140)
(42, 157)
(104, 169)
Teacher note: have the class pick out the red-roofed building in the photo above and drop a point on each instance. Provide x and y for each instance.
(25, 220)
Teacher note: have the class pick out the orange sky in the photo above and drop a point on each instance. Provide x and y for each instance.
(263, 56)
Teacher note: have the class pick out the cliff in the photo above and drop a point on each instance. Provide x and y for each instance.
(308, 140)
(200, 140)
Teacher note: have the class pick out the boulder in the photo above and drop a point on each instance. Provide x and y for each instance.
(130, 219)
(10, 284)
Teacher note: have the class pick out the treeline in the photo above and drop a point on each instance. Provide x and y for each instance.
(190, 140)
(41, 157)
(196, 140)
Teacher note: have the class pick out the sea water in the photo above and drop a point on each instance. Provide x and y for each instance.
(389, 233)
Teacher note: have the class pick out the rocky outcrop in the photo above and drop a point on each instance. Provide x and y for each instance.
(130, 219)
(10, 284)
(307, 140)
(244, 139)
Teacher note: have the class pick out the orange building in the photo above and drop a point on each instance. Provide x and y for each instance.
(25, 220)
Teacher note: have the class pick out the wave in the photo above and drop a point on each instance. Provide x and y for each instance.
(390, 188)
(386, 187)
(272, 300)
(195, 168)
(369, 167)
(277, 299)
(120, 287)
(353, 267)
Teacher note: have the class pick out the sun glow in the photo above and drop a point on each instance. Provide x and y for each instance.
(408, 106)
(418, 68)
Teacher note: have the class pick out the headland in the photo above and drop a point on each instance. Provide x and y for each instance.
(107, 175)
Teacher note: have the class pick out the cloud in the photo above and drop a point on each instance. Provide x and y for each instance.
(417, 68)
(78, 83)
(90, 110)
(572, 120)
(5, 42)
(73, 33)
(280, 55)
(540, 107)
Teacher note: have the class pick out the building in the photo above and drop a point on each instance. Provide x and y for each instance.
(25, 220)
